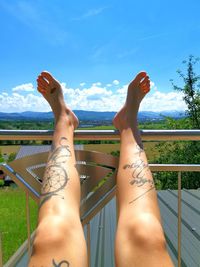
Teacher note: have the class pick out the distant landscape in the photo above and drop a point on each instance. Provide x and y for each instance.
(89, 118)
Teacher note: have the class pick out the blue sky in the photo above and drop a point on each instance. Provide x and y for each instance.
(95, 48)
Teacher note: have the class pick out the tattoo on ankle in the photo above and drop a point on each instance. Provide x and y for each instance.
(63, 263)
(139, 149)
(55, 177)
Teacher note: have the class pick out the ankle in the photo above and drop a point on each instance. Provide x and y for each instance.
(131, 136)
(65, 120)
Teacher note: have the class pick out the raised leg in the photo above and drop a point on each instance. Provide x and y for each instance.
(59, 237)
(140, 239)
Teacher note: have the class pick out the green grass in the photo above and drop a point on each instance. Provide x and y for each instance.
(13, 219)
(146, 125)
(102, 127)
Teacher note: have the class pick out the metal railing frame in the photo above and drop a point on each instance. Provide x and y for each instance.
(1, 254)
(147, 135)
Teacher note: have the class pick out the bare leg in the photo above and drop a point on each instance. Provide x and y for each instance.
(140, 239)
(59, 237)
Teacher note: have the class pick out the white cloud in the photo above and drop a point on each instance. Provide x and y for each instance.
(115, 82)
(5, 94)
(19, 103)
(82, 84)
(103, 99)
(160, 101)
(96, 84)
(152, 86)
(95, 97)
(123, 90)
(26, 87)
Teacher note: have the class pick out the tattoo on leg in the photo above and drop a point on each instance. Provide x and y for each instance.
(55, 177)
(60, 264)
(142, 195)
(139, 149)
(140, 169)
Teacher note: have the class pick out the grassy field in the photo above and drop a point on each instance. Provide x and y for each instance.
(148, 125)
(9, 149)
(108, 148)
(13, 219)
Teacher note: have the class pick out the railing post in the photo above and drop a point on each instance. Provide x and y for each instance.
(28, 224)
(179, 219)
(1, 253)
(88, 243)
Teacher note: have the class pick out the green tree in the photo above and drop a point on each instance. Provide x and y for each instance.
(190, 90)
(11, 157)
(1, 157)
(183, 152)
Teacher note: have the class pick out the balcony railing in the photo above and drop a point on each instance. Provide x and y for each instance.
(147, 135)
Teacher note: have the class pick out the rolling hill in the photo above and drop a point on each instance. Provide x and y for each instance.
(89, 115)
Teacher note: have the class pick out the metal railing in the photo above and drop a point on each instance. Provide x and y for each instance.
(147, 135)
(153, 135)
(1, 256)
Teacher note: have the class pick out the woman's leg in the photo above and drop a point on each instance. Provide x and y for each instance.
(59, 237)
(140, 239)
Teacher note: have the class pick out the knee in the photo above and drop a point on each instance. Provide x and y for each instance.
(145, 231)
(54, 232)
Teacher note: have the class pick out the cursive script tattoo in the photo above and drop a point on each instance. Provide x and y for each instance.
(139, 170)
(55, 176)
(139, 149)
(60, 264)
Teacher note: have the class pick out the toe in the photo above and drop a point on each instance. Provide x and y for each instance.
(41, 80)
(139, 77)
(47, 76)
(145, 88)
(41, 88)
(145, 80)
(145, 84)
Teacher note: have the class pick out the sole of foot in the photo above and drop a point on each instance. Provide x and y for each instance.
(137, 89)
(52, 91)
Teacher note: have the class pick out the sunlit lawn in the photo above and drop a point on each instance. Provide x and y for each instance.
(13, 219)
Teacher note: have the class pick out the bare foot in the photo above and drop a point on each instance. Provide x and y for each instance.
(51, 90)
(137, 89)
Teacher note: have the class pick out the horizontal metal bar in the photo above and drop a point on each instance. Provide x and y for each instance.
(175, 167)
(154, 135)
(1, 253)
